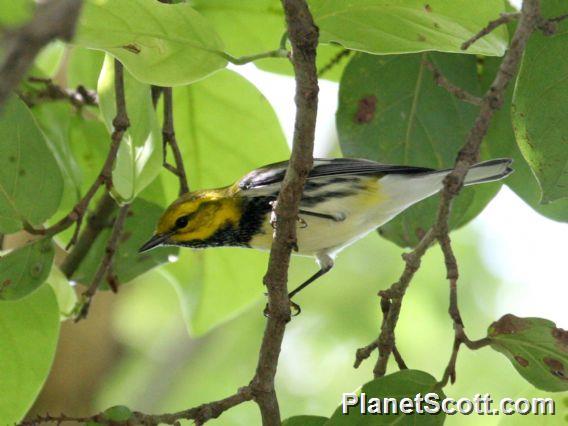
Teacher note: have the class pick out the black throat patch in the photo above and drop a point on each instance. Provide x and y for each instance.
(255, 210)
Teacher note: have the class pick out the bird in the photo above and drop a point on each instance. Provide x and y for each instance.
(343, 200)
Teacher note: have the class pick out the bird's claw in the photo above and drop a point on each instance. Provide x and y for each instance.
(295, 310)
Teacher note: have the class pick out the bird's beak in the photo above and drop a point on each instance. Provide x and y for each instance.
(155, 241)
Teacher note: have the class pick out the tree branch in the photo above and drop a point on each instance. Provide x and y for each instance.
(503, 19)
(105, 266)
(342, 54)
(442, 81)
(303, 35)
(199, 414)
(96, 223)
(53, 19)
(50, 92)
(492, 100)
(104, 177)
(241, 60)
(169, 138)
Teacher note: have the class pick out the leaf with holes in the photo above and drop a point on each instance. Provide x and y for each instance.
(384, 26)
(23, 270)
(537, 349)
(399, 385)
(162, 44)
(31, 185)
(539, 107)
(139, 158)
(128, 263)
(391, 111)
(213, 283)
(29, 329)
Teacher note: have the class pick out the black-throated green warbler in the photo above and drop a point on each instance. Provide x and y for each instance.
(343, 200)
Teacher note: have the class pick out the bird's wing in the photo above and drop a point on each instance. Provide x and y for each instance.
(268, 178)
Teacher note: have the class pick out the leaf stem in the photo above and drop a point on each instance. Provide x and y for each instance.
(241, 60)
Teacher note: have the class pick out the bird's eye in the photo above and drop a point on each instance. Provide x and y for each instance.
(182, 222)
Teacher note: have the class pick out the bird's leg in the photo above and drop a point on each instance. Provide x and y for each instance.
(296, 310)
(324, 269)
(308, 281)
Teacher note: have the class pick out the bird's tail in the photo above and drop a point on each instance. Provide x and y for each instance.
(403, 190)
(487, 171)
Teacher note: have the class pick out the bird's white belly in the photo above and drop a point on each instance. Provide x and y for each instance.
(325, 235)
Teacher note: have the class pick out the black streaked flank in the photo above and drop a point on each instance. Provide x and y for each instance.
(314, 200)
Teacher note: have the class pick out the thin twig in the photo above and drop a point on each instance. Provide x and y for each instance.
(442, 81)
(156, 93)
(52, 20)
(333, 62)
(104, 177)
(241, 60)
(106, 264)
(366, 351)
(503, 19)
(50, 92)
(169, 138)
(96, 223)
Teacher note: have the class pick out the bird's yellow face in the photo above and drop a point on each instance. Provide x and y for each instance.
(194, 218)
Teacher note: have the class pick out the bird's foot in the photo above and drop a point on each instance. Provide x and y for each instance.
(295, 310)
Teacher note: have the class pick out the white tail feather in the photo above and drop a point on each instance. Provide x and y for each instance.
(403, 190)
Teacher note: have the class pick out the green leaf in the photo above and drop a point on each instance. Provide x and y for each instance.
(257, 26)
(31, 185)
(402, 384)
(384, 26)
(23, 270)
(84, 67)
(64, 292)
(247, 27)
(14, 13)
(89, 142)
(55, 121)
(214, 285)
(29, 329)
(128, 263)
(162, 44)
(139, 158)
(391, 111)
(305, 421)
(537, 349)
(118, 413)
(500, 142)
(539, 106)
(49, 59)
